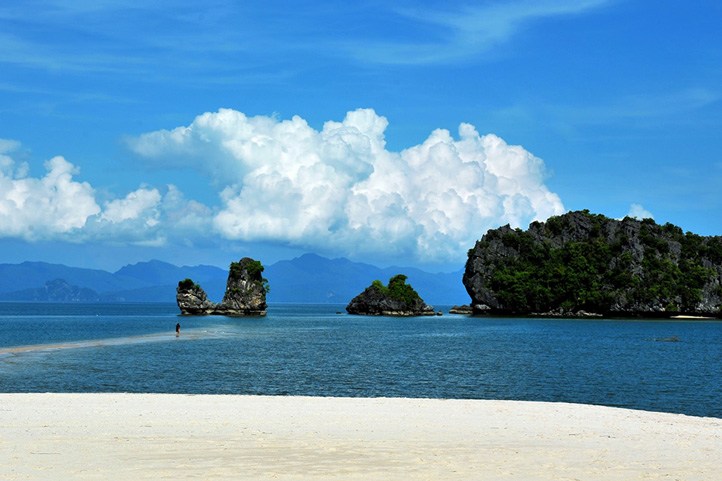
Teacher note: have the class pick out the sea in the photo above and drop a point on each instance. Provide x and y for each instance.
(319, 350)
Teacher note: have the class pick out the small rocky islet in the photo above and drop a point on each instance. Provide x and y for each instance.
(245, 293)
(395, 299)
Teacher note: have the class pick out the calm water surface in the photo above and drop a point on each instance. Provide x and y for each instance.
(673, 366)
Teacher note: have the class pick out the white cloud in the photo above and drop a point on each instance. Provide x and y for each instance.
(58, 207)
(149, 217)
(140, 203)
(7, 164)
(36, 208)
(187, 217)
(8, 145)
(340, 189)
(334, 190)
(636, 211)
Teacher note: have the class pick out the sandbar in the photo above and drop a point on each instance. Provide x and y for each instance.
(230, 437)
(113, 341)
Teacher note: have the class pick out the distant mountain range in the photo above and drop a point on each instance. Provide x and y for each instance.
(306, 279)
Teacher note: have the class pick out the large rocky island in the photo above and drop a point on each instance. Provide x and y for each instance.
(580, 264)
(396, 299)
(245, 293)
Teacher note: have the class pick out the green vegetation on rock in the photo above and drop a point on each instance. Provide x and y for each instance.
(585, 262)
(186, 284)
(398, 290)
(253, 269)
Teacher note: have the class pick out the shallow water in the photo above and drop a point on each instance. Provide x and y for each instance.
(672, 366)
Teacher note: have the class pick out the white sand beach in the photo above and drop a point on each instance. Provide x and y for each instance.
(211, 437)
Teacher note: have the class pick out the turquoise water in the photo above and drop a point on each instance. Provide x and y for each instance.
(673, 366)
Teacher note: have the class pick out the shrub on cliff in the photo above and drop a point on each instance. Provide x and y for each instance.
(186, 284)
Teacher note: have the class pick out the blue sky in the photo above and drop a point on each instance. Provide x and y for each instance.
(392, 133)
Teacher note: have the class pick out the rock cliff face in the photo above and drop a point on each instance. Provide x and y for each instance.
(584, 264)
(192, 299)
(396, 299)
(245, 293)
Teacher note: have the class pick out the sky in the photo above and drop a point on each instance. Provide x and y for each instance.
(394, 133)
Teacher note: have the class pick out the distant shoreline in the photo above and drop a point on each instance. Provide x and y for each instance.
(444, 307)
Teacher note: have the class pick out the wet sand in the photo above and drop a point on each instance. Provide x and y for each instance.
(150, 436)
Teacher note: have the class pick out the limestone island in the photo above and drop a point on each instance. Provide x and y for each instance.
(396, 299)
(585, 265)
(245, 293)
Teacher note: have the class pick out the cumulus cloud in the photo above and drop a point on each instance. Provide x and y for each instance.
(150, 217)
(337, 189)
(35, 208)
(636, 211)
(56, 206)
(141, 202)
(340, 189)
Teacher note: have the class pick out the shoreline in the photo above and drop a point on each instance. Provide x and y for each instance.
(179, 436)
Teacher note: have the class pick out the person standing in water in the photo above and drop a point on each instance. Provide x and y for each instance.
(177, 330)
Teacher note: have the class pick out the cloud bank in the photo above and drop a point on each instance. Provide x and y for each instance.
(339, 189)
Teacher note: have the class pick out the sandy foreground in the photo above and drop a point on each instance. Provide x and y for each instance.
(151, 436)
